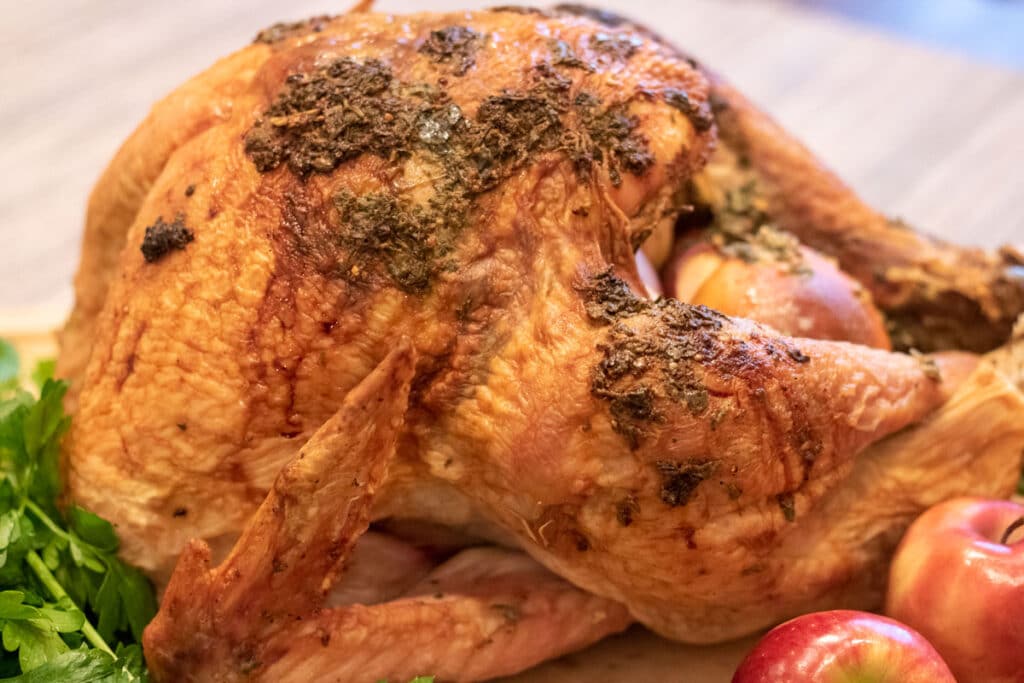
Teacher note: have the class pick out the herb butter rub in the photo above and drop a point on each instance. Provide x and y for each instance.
(347, 109)
(411, 299)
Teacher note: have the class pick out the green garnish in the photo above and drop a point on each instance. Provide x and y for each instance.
(9, 366)
(70, 610)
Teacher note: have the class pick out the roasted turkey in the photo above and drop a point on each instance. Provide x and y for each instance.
(383, 270)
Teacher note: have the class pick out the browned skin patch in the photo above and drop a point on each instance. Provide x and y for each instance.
(564, 55)
(626, 509)
(128, 367)
(699, 114)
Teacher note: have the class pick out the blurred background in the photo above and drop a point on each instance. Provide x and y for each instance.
(919, 104)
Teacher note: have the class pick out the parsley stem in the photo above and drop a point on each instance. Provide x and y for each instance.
(57, 591)
(45, 518)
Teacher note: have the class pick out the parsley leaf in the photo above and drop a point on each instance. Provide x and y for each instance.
(35, 642)
(83, 665)
(35, 632)
(93, 529)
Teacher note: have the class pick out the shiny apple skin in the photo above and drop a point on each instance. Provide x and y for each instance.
(953, 581)
(821, 303)
(843, 646)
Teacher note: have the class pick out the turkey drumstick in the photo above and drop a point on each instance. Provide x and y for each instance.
(936, 295)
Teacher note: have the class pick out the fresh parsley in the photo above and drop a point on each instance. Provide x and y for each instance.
(9, 366)
(70, 610)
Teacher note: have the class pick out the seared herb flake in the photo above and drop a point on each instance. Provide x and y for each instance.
(162, 238)
(455, 45)
(700, 115)
(681, 479)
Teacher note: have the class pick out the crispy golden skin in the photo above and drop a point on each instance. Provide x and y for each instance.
(477, 183)
(248, 338)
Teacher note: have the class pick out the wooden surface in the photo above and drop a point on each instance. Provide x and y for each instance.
(930, 137)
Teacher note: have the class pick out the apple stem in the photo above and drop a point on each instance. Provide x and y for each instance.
(1018, 523)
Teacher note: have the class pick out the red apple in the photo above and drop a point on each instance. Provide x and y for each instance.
(958, 578)
(843, 647)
